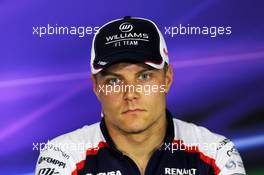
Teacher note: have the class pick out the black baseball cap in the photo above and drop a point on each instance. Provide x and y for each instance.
(130, 39)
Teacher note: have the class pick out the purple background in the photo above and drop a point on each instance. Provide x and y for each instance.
(45, 87)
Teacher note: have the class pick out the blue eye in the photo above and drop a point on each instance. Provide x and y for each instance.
(113, 81)
(144, 76)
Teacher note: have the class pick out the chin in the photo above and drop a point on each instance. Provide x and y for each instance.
(133, 127)
(134, 123)
(134, 130)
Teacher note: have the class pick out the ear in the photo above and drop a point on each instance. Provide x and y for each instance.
(94, 82)
(168, 77)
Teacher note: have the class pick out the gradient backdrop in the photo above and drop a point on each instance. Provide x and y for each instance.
(45, 87)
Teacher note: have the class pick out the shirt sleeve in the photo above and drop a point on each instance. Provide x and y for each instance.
(228, 159)
(53, 160)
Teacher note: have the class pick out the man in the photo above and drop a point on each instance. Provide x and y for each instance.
(137, 135)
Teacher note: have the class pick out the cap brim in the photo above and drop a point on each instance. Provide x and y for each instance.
(131, 57)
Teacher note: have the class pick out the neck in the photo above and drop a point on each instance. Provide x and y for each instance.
(140, 145)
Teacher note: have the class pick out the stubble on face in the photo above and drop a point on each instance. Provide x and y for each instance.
(132, 113)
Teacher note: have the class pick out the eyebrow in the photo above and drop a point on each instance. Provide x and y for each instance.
(108, 73)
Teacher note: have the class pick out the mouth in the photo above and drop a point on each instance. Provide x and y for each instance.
(130, 111)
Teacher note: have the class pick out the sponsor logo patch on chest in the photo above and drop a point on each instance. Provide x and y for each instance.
(180, 171)
(107, 173)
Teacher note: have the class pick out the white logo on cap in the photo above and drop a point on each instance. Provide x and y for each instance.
(102, 63)
(125, 27)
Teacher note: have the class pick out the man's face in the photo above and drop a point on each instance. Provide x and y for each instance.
(138, 100)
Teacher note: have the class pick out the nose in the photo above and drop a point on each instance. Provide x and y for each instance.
(131, 93)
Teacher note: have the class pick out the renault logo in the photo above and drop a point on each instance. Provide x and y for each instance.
(125, 27)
